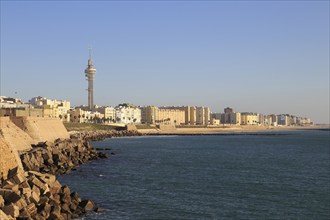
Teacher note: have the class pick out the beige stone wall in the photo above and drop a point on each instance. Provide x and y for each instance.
(14, 135)
(9, 158)
(42, 129)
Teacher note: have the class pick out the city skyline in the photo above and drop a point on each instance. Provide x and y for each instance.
(267, 57)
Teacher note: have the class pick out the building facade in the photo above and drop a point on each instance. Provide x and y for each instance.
(249, 118)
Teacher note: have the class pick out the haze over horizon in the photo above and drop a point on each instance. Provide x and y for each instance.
(254, 56)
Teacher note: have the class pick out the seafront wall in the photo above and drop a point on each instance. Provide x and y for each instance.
(9, 159)
(41, 129)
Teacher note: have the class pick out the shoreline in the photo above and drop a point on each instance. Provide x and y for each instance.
(234, 130)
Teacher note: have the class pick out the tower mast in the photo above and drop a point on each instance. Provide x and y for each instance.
(90, 71)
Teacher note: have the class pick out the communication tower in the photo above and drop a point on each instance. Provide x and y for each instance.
(90, 71)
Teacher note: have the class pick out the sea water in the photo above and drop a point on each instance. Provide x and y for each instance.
(285, 176)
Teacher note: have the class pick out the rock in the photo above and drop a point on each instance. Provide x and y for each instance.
(12, 172)
(39, 217)
(34, 197)
(18, 178)
(9, 185)
(34, 181)
(75, 198)
(4, 216)
(24, 214)
(46, 208)
(97, 209)
(9, 195)
(11, 210)
(31, 209)
(87, 205)
(2, 202)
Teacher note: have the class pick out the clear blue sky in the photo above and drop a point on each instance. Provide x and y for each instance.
(258, 56)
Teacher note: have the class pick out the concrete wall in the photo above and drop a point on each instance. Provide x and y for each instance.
(9, 158)
(18, 133)
(15, 136)
(42, 129)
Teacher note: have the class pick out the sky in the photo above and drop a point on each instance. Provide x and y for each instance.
(253, 56)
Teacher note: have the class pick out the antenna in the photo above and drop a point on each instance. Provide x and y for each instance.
(90, 53)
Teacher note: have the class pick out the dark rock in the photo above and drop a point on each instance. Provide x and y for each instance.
(87, 205)
(11, 210)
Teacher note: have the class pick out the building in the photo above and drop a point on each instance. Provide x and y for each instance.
(171, 115)
(149, 114)
(214, 121)
(202, 115)
(249, 118)
(228, 117)
(164, 115)
(283, 119)
(52, 108)
(8, 102)
(108, 112)
(128, 114)
(228, 110)
(192, 115)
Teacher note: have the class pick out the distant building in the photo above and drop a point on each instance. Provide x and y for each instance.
(214, 121)
(171, 115)
(128, 114)
(228, 117)
(192, 120)
(52, 108)
(149, 114)
(283, 119)
(108, 112)
(248, 118)
(183, 115)
(202, 115)
(228, 110)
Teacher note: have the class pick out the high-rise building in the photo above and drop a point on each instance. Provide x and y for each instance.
(228, 110)
(90, 71)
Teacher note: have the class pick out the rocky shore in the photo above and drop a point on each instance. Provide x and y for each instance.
(102, 134)
(59, 157)
(35, 193)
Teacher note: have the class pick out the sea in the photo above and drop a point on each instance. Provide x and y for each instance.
(280, 175)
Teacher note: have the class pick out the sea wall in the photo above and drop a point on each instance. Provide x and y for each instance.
(14, 135)
(41, 129)
(9, 159)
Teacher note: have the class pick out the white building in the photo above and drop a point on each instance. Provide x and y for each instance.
(128, 114)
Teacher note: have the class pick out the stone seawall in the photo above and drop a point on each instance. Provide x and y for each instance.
(41, 129)
(9, 159)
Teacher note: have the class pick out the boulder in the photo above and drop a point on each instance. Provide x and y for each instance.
(2, 202)
(11, 210)
(4, 216)
(87, 205)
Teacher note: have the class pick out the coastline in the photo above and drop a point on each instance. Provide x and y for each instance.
(28, 185)
(227, 130)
